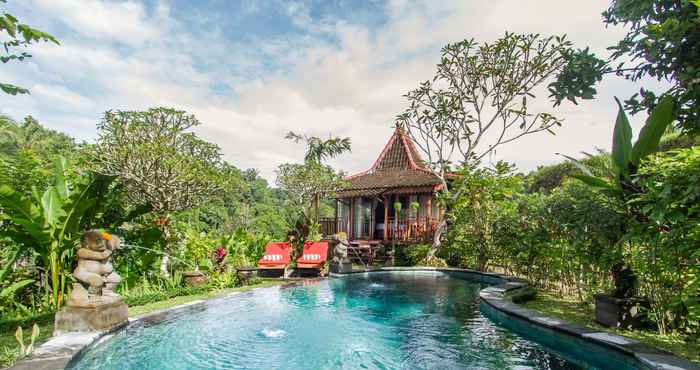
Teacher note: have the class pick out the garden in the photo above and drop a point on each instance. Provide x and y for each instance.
(623, 223)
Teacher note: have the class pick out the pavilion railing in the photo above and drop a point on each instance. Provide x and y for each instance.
(327, 226)
(412, 229)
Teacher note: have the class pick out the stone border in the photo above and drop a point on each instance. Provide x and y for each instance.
(59, 351)
(504, 289)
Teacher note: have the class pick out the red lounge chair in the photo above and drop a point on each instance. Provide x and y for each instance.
(314, 256)
(276, 256)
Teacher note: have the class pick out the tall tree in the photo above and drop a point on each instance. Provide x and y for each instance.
(19, 35)
(317, 150)
(304, 183)
(159, 161)
(662, 43)
(28, 151)
(478, 101)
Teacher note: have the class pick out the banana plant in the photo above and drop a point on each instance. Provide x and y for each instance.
(626, 156)
(49, 224)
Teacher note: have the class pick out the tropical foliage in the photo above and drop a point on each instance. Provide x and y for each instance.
(567, 238)
(661, 43)
(47, 225)
(52, 190)
(17, 35)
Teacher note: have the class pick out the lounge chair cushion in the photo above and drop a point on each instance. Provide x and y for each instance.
(314, 253)
(276, 254)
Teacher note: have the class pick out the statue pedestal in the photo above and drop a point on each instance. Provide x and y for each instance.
(98, 314)
(341, 267)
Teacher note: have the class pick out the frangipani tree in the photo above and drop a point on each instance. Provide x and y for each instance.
(160, 161)
(479, 100)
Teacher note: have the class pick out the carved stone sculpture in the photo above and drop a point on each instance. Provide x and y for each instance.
(93, 304)
(340, 262)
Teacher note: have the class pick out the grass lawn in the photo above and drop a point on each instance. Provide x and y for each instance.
(583, 314)
(155, 306)
(9, 348)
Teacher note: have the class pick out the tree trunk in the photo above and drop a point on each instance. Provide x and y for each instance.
(442, 226)
(165, 261)
(316, 207)
(437, 238)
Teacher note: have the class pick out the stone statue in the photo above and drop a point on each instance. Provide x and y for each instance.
(340, 252)
(93, 304)
(95, 273)
(340, 262)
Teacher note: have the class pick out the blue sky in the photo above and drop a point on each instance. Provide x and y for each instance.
(253, 70)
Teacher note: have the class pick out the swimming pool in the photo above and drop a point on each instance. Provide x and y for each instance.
(419, 320)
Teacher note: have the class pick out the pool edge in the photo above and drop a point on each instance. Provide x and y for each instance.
(504, 288)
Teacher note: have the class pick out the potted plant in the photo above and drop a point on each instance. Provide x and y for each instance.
(198, 277)
(621, 308)
(397, 214)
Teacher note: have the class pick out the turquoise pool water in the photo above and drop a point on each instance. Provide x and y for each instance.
(377, 321)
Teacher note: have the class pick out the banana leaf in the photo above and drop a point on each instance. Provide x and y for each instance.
(622, 142)
(653, 130)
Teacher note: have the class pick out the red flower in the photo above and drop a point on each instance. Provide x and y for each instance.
(220, 253)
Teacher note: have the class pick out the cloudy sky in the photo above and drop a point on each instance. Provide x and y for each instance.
(253, 70)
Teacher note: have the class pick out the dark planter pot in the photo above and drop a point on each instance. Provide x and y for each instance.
(194, 278)
(627, 313)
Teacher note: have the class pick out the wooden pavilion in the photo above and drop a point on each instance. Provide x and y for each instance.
(367, 210)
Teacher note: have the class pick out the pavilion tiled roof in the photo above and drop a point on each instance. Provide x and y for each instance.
(399, 168)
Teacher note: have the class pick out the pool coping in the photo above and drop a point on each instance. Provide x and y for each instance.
(505, 289)
(58, 351)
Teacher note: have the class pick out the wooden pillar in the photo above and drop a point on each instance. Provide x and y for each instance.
(386, 217)
(430, 208)
(337, 220)
(372, 221)
(351, 218)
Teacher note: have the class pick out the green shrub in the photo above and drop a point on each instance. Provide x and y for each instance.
(664, 238)
(433, 262)
(410, 255)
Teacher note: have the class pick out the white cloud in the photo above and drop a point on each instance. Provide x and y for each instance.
(62, 98)
(353, 88)
(124, 22)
